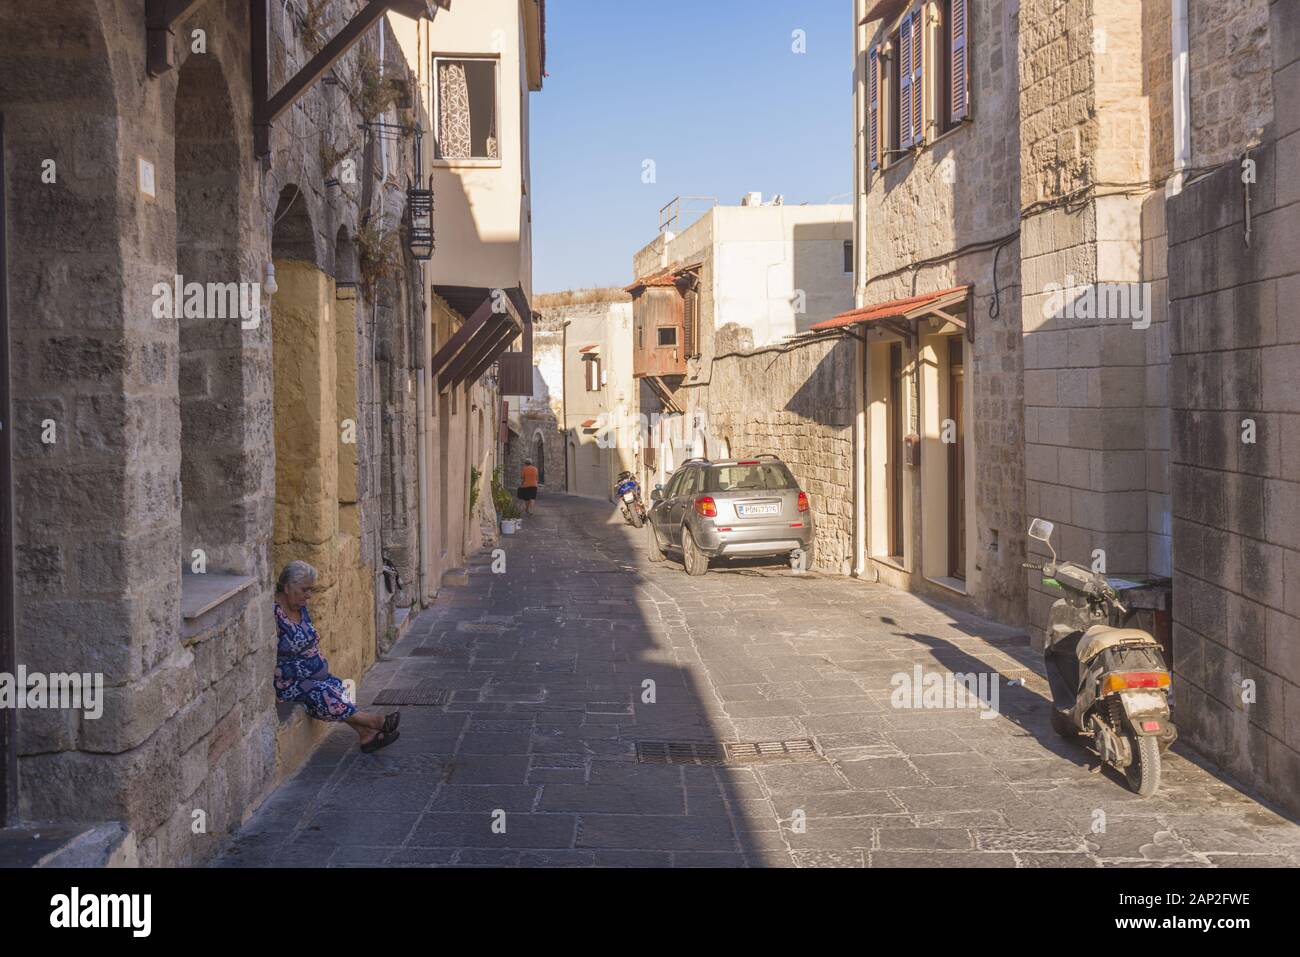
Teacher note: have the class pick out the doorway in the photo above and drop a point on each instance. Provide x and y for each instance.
(956, 462)
(895, 464)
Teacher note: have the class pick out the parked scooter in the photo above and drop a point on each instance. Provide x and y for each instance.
(628, 494)
(1108, 682)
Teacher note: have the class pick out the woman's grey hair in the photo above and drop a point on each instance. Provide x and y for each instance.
(295, 573)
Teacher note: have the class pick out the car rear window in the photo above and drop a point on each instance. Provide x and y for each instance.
(764, 477)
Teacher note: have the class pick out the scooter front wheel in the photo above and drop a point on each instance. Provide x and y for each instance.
(1143, 774)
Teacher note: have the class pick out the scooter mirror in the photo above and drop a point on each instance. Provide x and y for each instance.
(1041, 529)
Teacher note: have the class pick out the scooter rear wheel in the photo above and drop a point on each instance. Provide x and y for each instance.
(1063, 726)
(1143, 774)
(636, 519)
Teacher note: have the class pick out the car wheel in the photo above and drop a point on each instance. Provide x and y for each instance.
(696, 562)
(653, 551)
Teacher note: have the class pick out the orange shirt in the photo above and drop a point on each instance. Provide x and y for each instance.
(530, 476)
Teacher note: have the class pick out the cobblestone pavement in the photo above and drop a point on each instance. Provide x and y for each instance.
(547, 667)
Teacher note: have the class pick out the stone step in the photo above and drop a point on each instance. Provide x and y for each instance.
(100, 845)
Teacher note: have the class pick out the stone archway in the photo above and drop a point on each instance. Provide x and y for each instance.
(308, 342)
(70, 246)
(217, 483)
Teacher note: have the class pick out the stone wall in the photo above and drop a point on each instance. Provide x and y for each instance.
(1231, 69)
(1235, 344)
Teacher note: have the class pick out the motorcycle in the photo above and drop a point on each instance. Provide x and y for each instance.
(1108, 682)
(628, 494)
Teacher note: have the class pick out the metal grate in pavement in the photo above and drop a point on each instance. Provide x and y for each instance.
(745, 751)
(680, 752)
(727, 752)
(413, 696)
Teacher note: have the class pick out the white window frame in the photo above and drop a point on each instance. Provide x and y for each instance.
(482, 162)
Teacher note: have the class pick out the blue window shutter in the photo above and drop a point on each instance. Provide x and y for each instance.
(873, 107)
(904, 54)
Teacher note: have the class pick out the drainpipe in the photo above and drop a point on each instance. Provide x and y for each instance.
(859, 294)
(1182, 97)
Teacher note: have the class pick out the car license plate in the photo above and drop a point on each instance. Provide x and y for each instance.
(629, 497)
(745, 511)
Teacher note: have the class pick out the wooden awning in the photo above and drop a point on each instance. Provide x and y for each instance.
(488, 332)
(883, 10)
(897, 314)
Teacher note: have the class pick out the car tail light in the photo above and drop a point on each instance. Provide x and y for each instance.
(1126, 680)
(803, 501)
(706, 506)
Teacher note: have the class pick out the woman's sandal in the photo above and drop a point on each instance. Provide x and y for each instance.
(392, 721)
(382, 740)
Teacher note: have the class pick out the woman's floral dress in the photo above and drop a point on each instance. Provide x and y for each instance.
(302, 673)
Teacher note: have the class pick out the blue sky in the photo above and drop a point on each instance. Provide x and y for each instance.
(710, 90)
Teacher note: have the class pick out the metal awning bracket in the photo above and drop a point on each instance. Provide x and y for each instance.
(159, 18)
(267, 107)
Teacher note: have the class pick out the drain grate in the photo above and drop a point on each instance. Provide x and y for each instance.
(679, 752)
(413, 696)
(728, 752)
(745, 751)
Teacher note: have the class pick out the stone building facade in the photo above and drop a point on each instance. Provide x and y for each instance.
(1126, 295)
(188, 454)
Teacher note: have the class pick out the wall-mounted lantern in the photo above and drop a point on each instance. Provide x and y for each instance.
(419, 207)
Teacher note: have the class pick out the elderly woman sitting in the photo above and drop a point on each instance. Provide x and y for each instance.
(302, 673)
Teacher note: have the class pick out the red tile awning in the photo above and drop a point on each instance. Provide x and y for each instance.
(664, 277)
(594, 347)
(913, 307)
(590, 423)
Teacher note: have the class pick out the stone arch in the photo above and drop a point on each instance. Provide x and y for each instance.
(347, 266)
(66, 249)
(539, 456)
(216, 311)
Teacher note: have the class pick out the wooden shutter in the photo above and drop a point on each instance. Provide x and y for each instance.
(959, 66)
(904, 92)
(873, 107)
(918, 63)
(691, 310)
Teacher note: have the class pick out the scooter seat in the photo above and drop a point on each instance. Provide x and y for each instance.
(1100, 637)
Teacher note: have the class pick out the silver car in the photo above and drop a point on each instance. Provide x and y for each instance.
(736, 508)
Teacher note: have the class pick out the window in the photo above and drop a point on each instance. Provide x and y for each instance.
(667, 336)
(593, 373)
(768, 477)
(903, 88)
(848, 255)
(954, 80)
(466, 109)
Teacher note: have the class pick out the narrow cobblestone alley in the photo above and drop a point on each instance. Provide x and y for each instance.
(547, 664)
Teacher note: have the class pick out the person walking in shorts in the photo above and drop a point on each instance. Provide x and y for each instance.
(528, 486)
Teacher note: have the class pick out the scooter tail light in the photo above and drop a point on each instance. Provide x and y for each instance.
(1150, 725)
(1128, 680)
(706, 507)
(803, 501)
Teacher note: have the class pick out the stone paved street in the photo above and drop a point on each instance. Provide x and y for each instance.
(547, 664)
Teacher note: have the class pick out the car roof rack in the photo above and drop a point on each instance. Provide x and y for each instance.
(697, 458)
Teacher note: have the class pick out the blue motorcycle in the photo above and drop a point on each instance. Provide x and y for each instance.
(628, 495)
